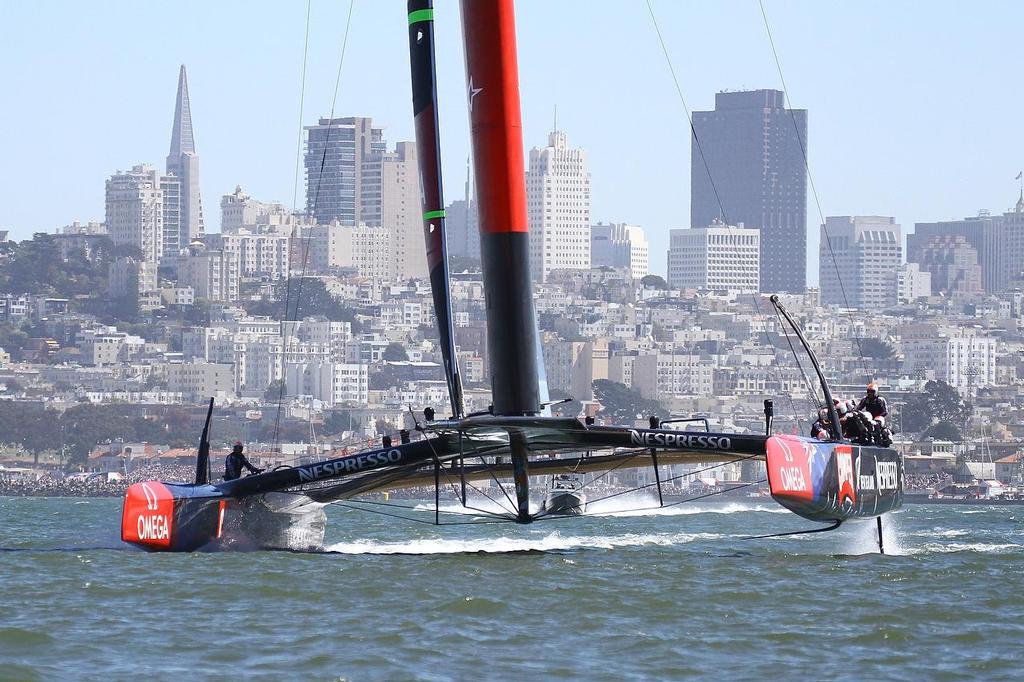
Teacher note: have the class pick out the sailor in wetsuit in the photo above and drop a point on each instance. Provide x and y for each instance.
(235, 462)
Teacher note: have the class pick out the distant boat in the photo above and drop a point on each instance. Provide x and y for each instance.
(565, 496)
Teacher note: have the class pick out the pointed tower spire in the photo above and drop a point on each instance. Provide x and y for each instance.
(181, 134)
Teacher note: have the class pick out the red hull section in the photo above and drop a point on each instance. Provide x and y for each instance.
(161, 517)
(833, 481)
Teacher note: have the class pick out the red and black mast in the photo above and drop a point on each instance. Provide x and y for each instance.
(492, 77)
(428, 153)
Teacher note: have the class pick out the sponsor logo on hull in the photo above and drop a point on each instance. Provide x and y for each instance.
(148, 514)
(789, 467)
(844, 474)
(679, 440)
(347, 465)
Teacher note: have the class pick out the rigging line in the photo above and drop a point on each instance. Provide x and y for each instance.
(441, 511)
(427, 523)
(455, 492)
(810, 179)
(714, 188)
(316, 198)
(302, 103)
(667, 480)
(556, 517)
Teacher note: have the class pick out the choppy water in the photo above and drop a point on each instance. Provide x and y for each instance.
(641, 596)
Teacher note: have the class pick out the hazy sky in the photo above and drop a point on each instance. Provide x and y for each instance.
(915, 107)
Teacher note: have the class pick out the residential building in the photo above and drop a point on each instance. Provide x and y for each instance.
(142, 210)
(211, 273)
(462, 222)
(266, 255)
(618, 245)
(335, 151)
(334, 383)
(198, 381)
(715, 257)
(912, 283)
(963, 360)
(858, 261)
(129, 277)
(749, 154)
(391, 199)
(558, 207)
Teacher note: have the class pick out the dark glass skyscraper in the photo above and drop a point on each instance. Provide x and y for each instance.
(755, 161)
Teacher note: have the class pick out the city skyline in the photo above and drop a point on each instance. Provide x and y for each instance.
(874, 131)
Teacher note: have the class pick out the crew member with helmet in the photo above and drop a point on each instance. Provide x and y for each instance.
(236, 461)
(874, 403)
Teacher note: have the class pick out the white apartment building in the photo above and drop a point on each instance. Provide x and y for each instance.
(212, 273)
(558, 207)
(618, 245)
(964, 361)
(257, 254)
(334, 383)
(201, 380)
(663, 375)
(912, 283)
(143, 210)
(715, 257)
(860, 256)
(391, 199)
(127, 276)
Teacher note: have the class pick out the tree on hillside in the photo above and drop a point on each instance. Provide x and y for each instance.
(274, 391)
(876, 348)
(395, 352)
(938, 403)
(653, 282)
(623, 405)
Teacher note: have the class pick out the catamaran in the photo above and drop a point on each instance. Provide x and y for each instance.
(515, 440)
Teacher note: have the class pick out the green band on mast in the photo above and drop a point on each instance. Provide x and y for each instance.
(421, 15)
(430, 215)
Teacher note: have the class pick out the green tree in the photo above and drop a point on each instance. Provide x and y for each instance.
(653, 282)
(274, 391)
(623, 405)
(939, 402)
(395, 352)
(876, 348)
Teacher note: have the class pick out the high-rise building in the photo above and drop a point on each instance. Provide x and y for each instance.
(953, 264)
(240, 211)
(183, 163)
(715, 257)
(391, 200)
(462, 222)
(335, 152)
(754, 150)
(141, 209)
(858, 261)
(558, 207)
(618, 245)
(212, 273)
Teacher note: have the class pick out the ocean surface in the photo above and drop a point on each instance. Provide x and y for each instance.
(675, 594)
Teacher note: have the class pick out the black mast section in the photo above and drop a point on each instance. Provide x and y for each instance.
(428, 154)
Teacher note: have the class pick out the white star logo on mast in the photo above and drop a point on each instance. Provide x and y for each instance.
(473, 92)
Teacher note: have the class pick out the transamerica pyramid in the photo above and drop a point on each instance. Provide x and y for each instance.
(183, 162)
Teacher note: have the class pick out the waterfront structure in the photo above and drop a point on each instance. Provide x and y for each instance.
(618, 245)
(558, 207)
(716, 257)
(754, 149)
(335, 151)
(183, 163)
(859, 259)
(142, 210)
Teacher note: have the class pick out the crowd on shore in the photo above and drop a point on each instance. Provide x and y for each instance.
(50, 485)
